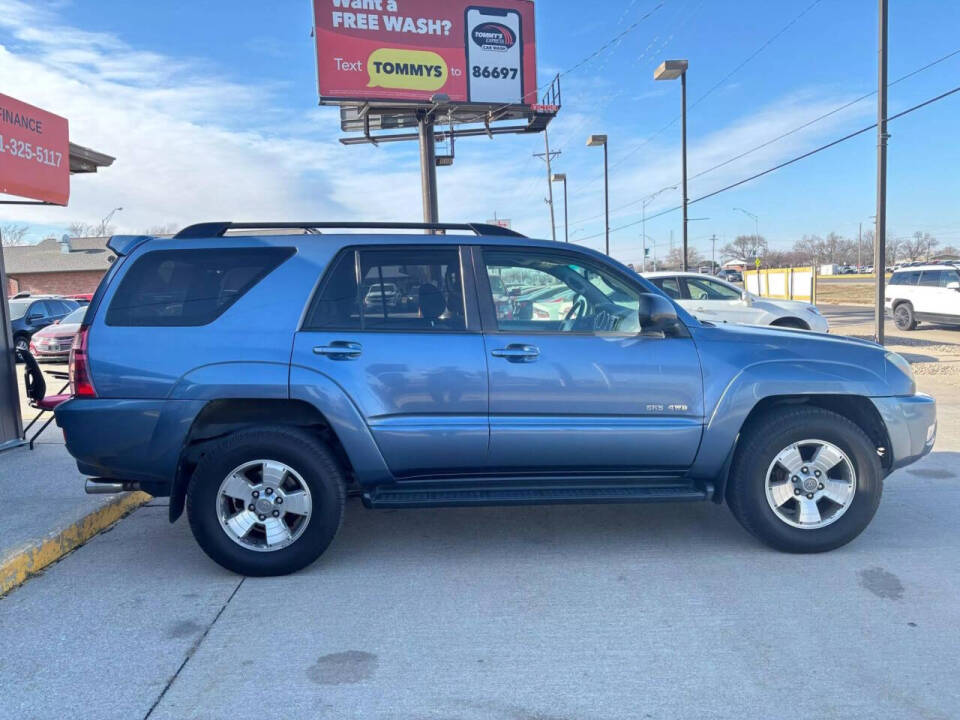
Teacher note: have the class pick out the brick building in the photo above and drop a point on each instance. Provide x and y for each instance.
(59, 267)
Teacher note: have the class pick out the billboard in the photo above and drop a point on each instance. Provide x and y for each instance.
(480, 52)
(34, 152)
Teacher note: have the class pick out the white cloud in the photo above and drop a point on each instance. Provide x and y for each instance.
(191, 145)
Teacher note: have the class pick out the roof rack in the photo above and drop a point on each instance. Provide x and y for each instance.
(218, 229)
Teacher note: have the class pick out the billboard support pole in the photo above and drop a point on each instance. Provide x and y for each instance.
(428, 167)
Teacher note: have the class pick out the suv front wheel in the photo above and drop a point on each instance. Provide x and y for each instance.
(266, 501)
(903, 317)
(805, 480)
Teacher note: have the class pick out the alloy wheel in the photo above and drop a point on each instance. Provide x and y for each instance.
(810, 484)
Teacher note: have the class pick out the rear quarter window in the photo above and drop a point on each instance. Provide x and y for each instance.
(183, 288)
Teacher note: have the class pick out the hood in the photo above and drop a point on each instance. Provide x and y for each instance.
(742, 346)
(60, 330)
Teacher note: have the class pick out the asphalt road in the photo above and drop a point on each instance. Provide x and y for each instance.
(546, 613)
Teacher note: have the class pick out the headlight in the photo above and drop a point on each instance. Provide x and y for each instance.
(901, 364)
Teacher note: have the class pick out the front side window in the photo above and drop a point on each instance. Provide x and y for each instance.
(550, 293)
(179, 288)
(703, 289)
(392, 289)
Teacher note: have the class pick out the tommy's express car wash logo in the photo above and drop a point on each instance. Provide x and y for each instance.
(494, 36)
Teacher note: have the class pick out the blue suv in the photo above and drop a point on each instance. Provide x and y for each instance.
(259, 378)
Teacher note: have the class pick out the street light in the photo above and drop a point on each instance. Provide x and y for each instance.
(562, 177)
(596, 141)
(671, 70)
(103, 223)
(756, 224)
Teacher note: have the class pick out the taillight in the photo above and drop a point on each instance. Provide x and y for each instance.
(81, 384)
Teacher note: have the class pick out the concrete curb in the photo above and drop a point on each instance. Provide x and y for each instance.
(21, 563)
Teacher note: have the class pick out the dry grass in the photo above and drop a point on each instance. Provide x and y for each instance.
(845, 293)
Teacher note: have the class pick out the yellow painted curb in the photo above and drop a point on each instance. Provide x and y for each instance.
(31, 559)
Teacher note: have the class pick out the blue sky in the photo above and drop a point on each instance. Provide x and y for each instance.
(210, 108)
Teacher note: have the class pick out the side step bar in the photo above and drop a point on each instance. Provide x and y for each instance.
(394, 497)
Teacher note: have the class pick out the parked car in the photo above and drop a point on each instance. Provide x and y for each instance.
(924, 293)
(730, 275)
(81, 298)
(382, 294)
(716, 301)
(259, 397)
(53, 343)
(30, 313)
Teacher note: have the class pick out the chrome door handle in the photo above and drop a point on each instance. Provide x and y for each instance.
(339, 350)
(517, 353)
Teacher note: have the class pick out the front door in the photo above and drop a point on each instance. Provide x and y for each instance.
(391, 327)
(582, 388)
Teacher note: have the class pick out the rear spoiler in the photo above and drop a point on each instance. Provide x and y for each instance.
(124, 244)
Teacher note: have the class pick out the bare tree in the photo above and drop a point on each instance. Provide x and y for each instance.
(166, 229)
(744, 247)
(920, 245)
(674, 258)
(13, 234)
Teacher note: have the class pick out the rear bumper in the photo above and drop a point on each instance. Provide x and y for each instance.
(911, 425)
(130, 440)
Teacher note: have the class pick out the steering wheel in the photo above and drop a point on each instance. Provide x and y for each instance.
(576, 310)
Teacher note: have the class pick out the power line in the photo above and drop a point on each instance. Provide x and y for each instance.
(726, 77)
(784, 164)
(797, 129)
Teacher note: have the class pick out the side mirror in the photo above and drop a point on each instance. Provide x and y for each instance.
(953, 286)
(656, 313)
(746, 298)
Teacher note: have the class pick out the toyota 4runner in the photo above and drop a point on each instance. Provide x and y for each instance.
(258, 379)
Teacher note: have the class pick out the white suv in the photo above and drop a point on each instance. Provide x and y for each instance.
(716, 301)
(924, 292)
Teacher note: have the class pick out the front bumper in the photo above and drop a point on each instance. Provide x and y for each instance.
(911, 425)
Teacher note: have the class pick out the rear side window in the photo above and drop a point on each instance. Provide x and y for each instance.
(398, 288)
(909, 277)
(174, 288)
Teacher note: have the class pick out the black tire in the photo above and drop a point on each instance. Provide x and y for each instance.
(790, 322)
(763, 440)
(308, 456)
(20, 342)
(903, 317)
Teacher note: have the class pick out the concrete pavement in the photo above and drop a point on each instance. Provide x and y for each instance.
(660, 611)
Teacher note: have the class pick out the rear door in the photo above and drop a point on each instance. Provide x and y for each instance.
(411, 360)
(583, 390)
(717, 302)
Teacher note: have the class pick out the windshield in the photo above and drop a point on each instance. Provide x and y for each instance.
(76, 317)
(18, 308)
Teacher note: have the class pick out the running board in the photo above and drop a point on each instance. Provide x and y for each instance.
(394, 497)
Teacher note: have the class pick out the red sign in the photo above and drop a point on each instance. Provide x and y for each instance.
(410, 50)
(34, 152)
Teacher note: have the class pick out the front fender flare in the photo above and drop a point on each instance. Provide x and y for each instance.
(774, 378)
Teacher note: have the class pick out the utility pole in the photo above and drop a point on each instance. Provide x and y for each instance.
(713, 254)
(428, 167)
(880, 241)
(548, 156)
(860, 247)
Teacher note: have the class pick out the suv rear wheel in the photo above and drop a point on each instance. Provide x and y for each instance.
(903, 317)
(266, 501)
(805, 480)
